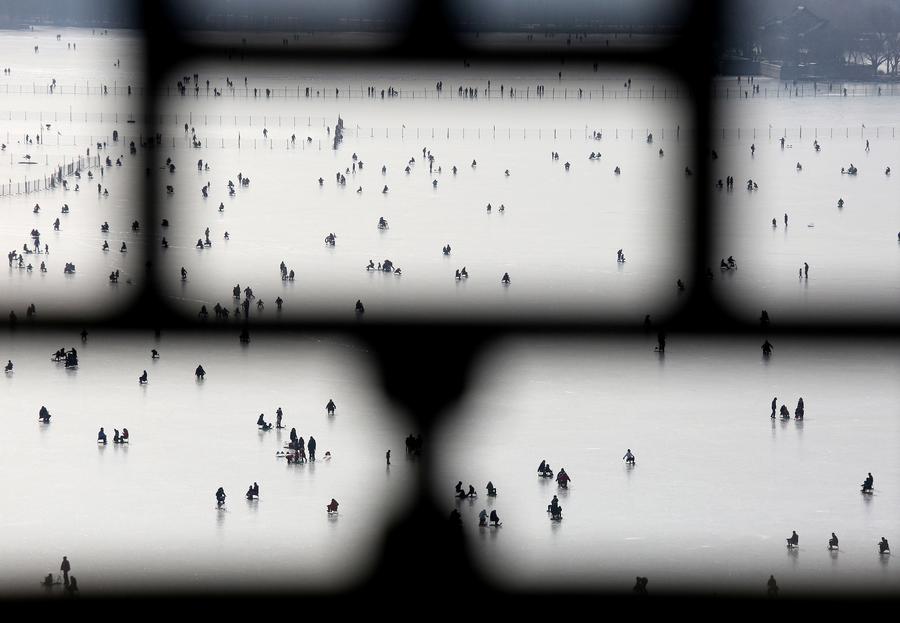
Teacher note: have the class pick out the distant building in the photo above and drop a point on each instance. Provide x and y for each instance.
(802, 43)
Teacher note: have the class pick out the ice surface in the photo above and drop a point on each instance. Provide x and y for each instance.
(717, 485)
(78, 117)
(557, 237)
(853, 252)
(143, 516)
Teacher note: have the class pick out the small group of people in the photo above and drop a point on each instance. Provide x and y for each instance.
(70, 357)
(883, 545)
(483, 518)
(729, 182)
(70, 584)
(544, 470)
(253, 491)
(640, 585)
(465, 494)
(117, 436)
(785, 413)
(562, 478)
(300, 448)
(386, 266)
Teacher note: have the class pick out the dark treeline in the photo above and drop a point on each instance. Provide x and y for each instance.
(118, 14)
(828, 33)
(354, 15)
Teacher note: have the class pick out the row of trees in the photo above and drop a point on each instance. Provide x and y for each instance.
(862, 32)
(877, 48)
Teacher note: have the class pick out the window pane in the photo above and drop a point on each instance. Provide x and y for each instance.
(803, 209)
(154, 497)
(71, 100)
(554, 229)
(713, 473)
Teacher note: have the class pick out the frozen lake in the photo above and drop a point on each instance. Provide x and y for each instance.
(717, 485)
(143, 516)
(61, 125)
(853, 252)
(557, 236)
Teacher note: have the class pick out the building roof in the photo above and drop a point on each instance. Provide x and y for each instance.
(798, 24)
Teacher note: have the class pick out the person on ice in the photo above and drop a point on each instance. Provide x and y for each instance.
(554, 508)
(629, 457)
(868, 483)
(771, 584)
(220, 497)
(562, 478)
(794, 540)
